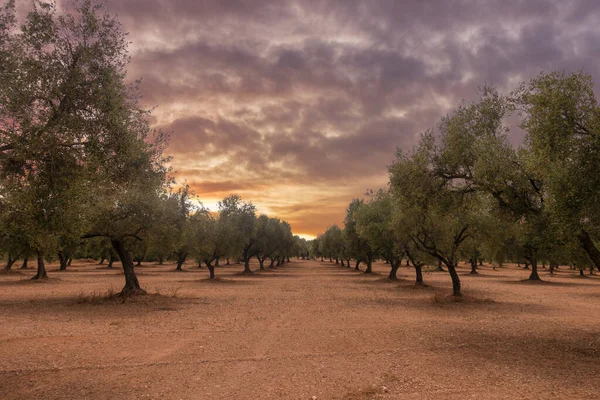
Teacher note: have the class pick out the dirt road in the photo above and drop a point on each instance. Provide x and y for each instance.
(307, 329)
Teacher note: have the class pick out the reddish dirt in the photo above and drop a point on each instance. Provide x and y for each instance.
(307, 329)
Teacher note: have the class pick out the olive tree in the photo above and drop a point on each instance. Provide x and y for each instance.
(356, 246)
(561, 118)
(443, 218)
(375, 224)
(77, 157)
(211, 238)
(241, 215)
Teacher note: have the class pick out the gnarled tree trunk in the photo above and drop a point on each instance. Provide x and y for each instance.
(211, 269)
(247, 269)
(394, 269)
(534, 271)
(41, 267)
(132, 285)
(473, 266)
(64, 260)
(261, 262)
(418, 269)
(24, 265)
(419, 275)
(180, 261)
(590, 248)
(455, 279)
(369, 269)
(10, 262)
(357, 265)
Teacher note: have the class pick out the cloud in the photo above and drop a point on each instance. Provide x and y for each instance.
(289, 102)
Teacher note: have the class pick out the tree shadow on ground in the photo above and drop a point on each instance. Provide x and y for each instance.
(223, 281)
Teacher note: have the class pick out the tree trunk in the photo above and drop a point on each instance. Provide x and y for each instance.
(160, 260)
(581, 272)
(455, 279)
(369, 267)
(211, 270)
(9, 262)
(132, 285)
(179, 265)
(439, 268)
(41, 267)
(271, 266)
(348, 263)
(551, 269)
(322, 259)
(278, 261)
(63, 261)
(261, 263)
(111, 259)
(330, 260)
(590, 248)
(102, 258)
(526, 265)
(473, 266)
(24, 265)
(228, 263)
(69, 261)
(247, 269)
(336, 261)
(357, 265)
(394, 270)
(419, 274)
(534, 272)
(217, 262)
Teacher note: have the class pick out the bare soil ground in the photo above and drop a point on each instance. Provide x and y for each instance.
(306, 329)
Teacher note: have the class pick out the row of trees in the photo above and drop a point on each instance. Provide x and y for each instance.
(234, 232)
(186, 230)
(465, 192)
(78, 159)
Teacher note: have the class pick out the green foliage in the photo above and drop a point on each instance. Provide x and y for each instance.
(376, 225)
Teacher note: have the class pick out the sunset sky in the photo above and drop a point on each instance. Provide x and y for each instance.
(298, 106)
